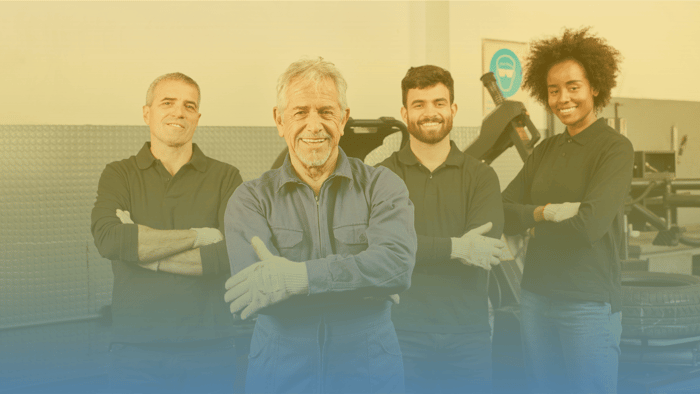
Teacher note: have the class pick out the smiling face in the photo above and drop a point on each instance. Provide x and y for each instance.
(428, 113)
(570, 95)
(312, 124)
(173, 115)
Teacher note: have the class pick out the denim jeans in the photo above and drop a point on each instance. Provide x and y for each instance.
(200, 367)
(331, 353)
(569, 346)
(447, 363)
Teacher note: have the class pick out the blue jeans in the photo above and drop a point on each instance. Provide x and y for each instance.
(341, 352)
(447, 363)
(200, 367)
(569, 346)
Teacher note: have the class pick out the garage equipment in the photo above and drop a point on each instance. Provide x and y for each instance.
(507, 125)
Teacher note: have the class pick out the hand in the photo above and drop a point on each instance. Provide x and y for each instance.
(206, 236)
(473, 248)
(153, 265)
(394, 298)
(124, 216)
(267, 282)
(558, 212)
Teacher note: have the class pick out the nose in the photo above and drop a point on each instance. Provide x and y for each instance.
(313, 122)
(563, 96)
(179, 111)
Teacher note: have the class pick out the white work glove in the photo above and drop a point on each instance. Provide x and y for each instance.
(267, 282)
(124, 216)
(394, 298)
(473, 248)
(206, 236)
(559, 212)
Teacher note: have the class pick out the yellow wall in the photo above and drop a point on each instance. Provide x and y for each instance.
(91, 62)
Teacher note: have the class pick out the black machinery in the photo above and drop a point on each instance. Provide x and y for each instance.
(507, 125)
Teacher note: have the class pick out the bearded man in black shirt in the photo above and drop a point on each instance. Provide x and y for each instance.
(442, 321)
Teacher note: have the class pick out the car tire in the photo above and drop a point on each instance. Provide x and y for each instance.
(660, 306)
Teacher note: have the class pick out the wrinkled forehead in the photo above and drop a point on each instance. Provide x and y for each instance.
(177, 89)
(308, 90)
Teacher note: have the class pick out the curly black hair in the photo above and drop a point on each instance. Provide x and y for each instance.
(599, 60)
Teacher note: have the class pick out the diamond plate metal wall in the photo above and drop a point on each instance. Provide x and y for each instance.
(50, 269)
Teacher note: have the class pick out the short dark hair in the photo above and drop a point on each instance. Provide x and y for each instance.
(424, 77)
(599, 60)
(176, 76)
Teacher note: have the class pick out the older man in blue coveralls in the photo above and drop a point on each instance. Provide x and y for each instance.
(319, 248)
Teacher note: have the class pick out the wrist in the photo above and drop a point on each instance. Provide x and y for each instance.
(194, 235)
(539, 213)
(458, 250)
(296, 279)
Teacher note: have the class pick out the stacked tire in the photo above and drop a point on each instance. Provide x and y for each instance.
(660, 306)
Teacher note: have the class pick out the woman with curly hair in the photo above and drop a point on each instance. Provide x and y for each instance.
(570, 194)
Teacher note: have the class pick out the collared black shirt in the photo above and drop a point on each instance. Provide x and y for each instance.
(152, 306)
(578, 257)
(461, 194)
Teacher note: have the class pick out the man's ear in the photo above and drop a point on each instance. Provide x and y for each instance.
(346, 118)
(147, 114)
(404, 115)
(277, 116)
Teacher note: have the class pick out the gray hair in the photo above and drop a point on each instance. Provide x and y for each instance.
(314, 70)
(171, 77)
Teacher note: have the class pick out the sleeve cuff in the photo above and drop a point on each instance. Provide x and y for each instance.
(443, 248)
(214, 259)
(529, 216)
(319, 276)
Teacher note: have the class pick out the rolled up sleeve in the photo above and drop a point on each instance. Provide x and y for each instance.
(114, 240)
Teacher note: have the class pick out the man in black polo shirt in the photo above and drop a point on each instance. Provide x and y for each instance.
(159, 216)
(442, 320)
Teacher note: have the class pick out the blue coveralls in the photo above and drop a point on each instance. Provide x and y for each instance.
(358, 241)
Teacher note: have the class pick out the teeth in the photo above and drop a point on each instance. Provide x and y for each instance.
(176, 125)
(430, 124)
(313, 140)
(567, 110)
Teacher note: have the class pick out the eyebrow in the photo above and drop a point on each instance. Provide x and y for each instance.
(567, 83)
(306, 107)
(174, 99)
(422, 101)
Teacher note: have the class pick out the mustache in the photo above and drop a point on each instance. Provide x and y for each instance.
(319, 135)
(435, 119)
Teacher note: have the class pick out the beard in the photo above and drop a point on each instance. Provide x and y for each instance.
(432, 137)
(313, 157)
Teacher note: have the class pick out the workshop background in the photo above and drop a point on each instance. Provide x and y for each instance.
(74, 81)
